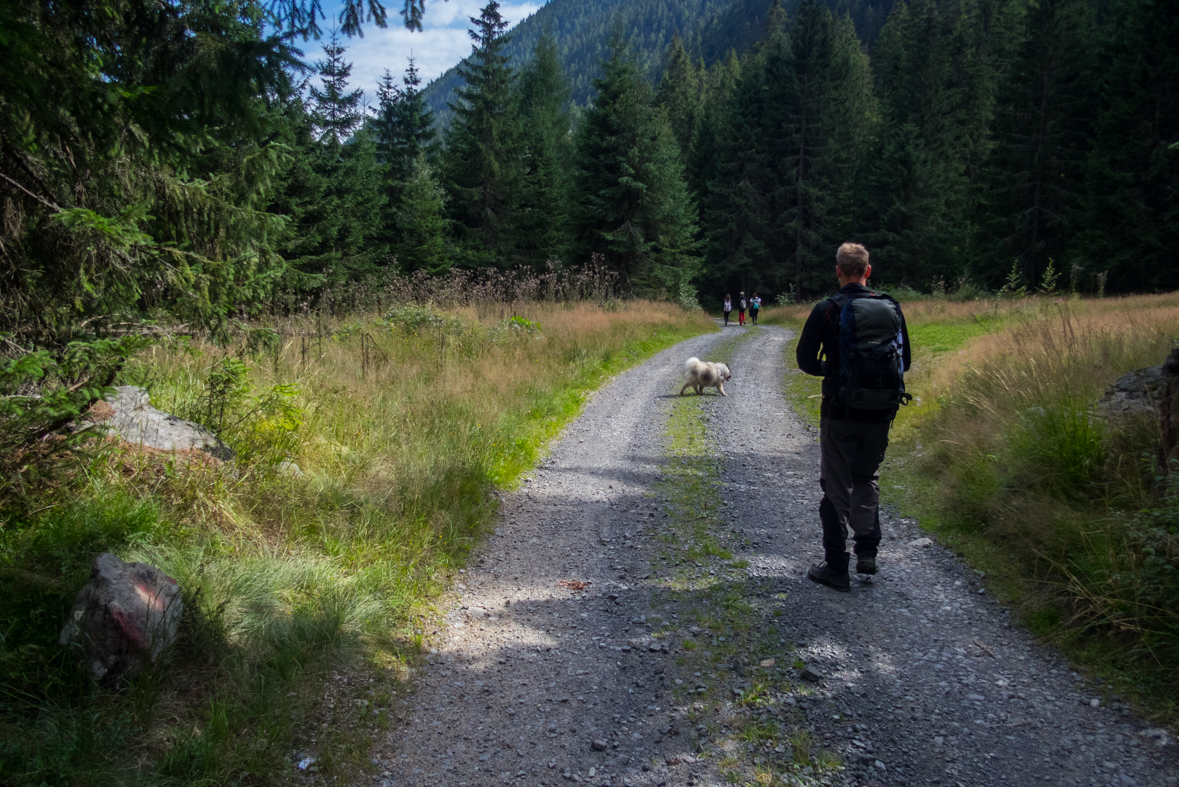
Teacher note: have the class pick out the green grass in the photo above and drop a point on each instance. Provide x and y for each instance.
(936, 339)
(296, 588)
(804, 392)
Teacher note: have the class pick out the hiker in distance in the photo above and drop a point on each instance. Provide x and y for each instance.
(727, 308)
(857, 341)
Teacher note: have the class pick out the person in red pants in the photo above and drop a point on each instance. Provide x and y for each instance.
(742, 305)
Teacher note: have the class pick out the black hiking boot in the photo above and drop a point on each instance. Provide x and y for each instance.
(825, 576)
(866, 565)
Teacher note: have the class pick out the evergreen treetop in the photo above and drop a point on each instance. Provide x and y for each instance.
(632, 202)
(680, 93)
(547, 153)
(483, 149)
(336, 112)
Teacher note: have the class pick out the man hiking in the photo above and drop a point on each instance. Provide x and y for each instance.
(858, 343)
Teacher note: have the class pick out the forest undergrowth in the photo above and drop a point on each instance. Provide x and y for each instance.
(1008, 457)
(369, 451)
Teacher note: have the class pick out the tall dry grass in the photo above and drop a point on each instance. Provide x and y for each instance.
(1063, 497)
(401, 422)
(1006, 453)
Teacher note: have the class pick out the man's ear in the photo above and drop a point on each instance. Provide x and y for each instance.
(868, 271)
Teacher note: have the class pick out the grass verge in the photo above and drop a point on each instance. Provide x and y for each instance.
(1009, 457)
(368, 451)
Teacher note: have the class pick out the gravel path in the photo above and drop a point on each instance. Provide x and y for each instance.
(672, 667)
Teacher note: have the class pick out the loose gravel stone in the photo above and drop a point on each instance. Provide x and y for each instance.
(811, 675)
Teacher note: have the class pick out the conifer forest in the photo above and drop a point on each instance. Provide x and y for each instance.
(211, 159)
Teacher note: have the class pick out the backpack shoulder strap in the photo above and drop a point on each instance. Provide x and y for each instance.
(839, 301)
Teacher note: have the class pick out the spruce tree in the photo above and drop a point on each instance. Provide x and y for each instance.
(783, 195)
(680, 93)
(720, 87)
(483, 151)
(335, 188)
(984, 39)
(384, 125)
(403, 128)
(824, 109)
(914, 173)
(631, 201)
(336, 113)
(300, 194)
(739, 170)
(939, 69)
(1130, 219)
(1033, 177)
(421, 223)
(548, 149)
(413, 126)
(384, 130)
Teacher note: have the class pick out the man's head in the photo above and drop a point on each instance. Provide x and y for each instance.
(851, 264)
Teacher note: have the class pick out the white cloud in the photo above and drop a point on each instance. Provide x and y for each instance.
(442, 43)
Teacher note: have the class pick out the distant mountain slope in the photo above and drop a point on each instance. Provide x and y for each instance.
(740, 24)
(582, 28)
(710, 28)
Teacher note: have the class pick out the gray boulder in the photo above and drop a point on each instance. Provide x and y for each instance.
(124, 617)
(1133, 393)
(131, 417)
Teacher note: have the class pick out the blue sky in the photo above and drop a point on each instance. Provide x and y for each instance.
(442, 43)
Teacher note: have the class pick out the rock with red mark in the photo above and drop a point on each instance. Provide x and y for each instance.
(130, 416)
(124, 617)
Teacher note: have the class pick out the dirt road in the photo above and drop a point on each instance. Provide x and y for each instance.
(642, 617)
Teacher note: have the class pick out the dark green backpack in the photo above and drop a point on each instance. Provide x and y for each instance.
(871, 352)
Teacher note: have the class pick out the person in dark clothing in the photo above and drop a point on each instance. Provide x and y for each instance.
(727, 308)
(852, 442)
(754, 307)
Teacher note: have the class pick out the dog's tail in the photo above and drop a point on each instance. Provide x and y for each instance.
(690, 364)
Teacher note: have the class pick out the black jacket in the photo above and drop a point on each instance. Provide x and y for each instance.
(817, 353)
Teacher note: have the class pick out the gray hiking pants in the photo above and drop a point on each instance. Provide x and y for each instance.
(851, 453)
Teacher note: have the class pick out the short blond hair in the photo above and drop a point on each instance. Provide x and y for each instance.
(852, 259)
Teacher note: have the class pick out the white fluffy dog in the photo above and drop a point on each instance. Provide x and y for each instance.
(703, 374)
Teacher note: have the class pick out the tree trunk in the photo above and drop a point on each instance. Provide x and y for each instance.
(1169, 413)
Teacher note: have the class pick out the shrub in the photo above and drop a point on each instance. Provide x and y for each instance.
(42, 392)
